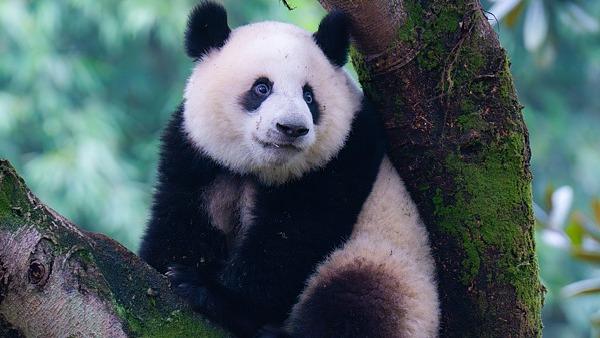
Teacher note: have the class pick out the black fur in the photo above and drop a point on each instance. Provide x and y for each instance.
(206, 29)
(314, 106)
(269, 331)
(250, 101)
(333, 36)
(355, 303)
(295, 226)
(176, 211)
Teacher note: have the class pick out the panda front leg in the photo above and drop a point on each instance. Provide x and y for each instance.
(211, 300)
(368, 290)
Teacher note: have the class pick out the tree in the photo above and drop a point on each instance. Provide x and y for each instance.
(437, 73)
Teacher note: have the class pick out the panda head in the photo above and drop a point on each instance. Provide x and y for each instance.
(268, 99)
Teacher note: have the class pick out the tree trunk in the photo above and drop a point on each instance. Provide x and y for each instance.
(442, 82)
(59, 281)
(437, 73)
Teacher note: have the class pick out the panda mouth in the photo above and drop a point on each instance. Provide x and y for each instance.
(277, 145)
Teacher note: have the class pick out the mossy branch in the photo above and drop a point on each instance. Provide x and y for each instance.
(57, 280)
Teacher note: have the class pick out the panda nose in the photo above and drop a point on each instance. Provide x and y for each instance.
(292, 130)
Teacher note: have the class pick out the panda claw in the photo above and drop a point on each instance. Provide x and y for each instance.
(180, 274)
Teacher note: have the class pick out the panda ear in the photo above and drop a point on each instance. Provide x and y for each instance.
(206, 28)
(333, 36)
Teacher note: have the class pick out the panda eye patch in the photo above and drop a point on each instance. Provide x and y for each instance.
(262, 87)
(308, 97)
(257, 94)
(311, 101)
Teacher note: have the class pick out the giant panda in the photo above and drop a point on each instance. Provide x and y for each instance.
(277, 212)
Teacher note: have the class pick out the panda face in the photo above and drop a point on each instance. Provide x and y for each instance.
(280, 119)
(269, 103)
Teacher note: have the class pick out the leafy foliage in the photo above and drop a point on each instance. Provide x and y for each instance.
(576, 234)
(543, 17)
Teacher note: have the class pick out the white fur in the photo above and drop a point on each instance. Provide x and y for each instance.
(390, 234)
(216, 122)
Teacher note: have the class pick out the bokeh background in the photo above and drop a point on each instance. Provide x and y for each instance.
(87, 85)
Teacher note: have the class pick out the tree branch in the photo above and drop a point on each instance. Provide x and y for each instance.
(57, 280)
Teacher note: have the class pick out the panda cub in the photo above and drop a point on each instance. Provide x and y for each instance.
(277, 212)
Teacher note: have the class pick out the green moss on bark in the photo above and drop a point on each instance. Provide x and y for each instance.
(472, 121)
(13, 203)
(176, 324)
(415, 21)
(4, 200)
(425, 34)
(488, 193)
(489, 212)
(364, 73)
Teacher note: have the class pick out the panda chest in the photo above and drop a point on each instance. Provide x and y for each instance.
(229, 204)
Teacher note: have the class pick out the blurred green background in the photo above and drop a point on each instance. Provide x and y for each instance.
(86, 86)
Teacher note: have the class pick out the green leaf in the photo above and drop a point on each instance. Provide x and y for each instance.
(591, 230)
(562, 199)
(596, 210)
(548, 196)
(586, 255)
(595, 319)
(513, 16)
(504, 8)
(535, 28)
(581, 288)
(580, 19)
(575, 230)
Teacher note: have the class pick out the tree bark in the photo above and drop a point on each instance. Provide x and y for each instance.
(456, 133)
(57, 280)
(438, 75)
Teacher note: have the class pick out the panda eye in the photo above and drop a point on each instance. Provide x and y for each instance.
(308, 97)
(262, 89)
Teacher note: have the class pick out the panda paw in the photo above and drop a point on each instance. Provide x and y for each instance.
(199, 297)
(187, 283)
(269, 331)
(181, 274)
